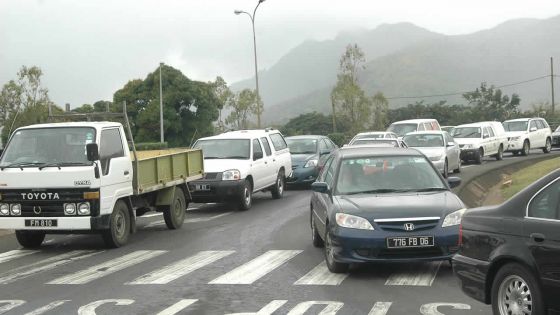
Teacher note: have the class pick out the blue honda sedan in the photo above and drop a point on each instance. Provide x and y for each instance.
(383, 204)
(307, 154)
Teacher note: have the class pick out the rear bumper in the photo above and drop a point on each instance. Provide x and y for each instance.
(472, 276)
(515, 145)
(218, 191)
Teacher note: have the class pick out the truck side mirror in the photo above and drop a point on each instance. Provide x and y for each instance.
(92, 152)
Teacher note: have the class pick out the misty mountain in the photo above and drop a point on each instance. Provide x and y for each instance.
(421, 64)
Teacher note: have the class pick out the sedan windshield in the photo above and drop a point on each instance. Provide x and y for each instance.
(402, 129)
(466, 132)
(302, 146)
(387, 174)
(37, 147)
(515, 125)
(424, 140)
(224, 148)
(370, 136)
(380, 142)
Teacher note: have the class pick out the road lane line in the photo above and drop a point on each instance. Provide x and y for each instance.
(256, 268)
(415, 275)
(380, 308)
(151, 215)
(181, 268)
(107, 268)
(320, 275)
(45, 265)
(205, 219)
(16, 253)
(155, 223)
(47, 307)
(177, 307)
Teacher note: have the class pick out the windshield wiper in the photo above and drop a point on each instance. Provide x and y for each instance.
(429, 189)
(60, 164)
(21, 165)
(378, 191)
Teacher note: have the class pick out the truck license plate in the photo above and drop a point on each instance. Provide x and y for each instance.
(41, 223)
(410, 241)
(202, 187)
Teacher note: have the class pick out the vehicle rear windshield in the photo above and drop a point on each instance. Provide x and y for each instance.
(466, 132)
(302, 146)
(385, 143)
(239, 149)
(29, 147)
(370, 136)
(402, 129)
(387, 174)
(515, 125)
(424, 140)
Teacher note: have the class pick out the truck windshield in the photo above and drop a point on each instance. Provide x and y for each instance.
(35, 147)
(515, 125)
(466, 132)
(224, 148)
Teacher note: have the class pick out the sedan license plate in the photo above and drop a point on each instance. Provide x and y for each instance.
(410, 241)
(202, 187)
(41, 223)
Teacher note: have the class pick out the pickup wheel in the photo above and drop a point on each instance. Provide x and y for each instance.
(30, 239)
(246, 197)
(174, 215)
(278, 188)
(478, 156)
(526, 148)
(119, 226)
(548, 147)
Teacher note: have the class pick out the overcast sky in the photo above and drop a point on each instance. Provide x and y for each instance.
(90, 48)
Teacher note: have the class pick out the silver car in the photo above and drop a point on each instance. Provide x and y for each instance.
(439, 147)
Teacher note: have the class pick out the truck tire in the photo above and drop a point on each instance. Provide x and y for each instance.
(246, 197)
(30, 239)
(174, 215)
(278, 188)
(119, 226)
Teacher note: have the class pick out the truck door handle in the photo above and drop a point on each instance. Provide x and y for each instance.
(126, 173)
(537, 237)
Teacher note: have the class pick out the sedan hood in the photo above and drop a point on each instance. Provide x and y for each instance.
(431, 151)
(515, 133)
(462, 141)
(298, 159)
(402, 205)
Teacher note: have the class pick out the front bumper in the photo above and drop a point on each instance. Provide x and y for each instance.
(472, 276)
(469, 154)
(358, 246)
(63, 223)
(216, 190)
(439, 165)
(303, 175)
(556, 140)
(514, 145)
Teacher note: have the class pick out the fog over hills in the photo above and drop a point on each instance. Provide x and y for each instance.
(406, 60)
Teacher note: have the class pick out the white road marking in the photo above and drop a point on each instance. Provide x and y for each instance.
(151, 215)
(256, 268)
(181, 268)
(9, 304)
(320, 275)
(432, 308)
(266, 310)
(89, 309)
(466, 166)
(380, 308)
(331, 307)
(44, 265)
(193, 220)
(177, 307)
(107, 268)
(47, 308)
(193, 208)
(415, 275)
(155, 223)
(16, 253)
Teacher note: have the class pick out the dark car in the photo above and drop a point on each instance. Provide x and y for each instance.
(307, 154)
(510, 254)
(383, 204)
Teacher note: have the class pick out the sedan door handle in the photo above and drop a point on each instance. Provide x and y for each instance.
(126, 173)
(537, 237)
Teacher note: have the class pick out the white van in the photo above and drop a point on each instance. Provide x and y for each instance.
(481, 139)
(528, 133)
(403, 127)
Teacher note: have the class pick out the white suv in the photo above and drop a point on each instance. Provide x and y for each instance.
(527, 133)
(240, 163)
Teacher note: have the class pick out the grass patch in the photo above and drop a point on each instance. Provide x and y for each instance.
(526, 176)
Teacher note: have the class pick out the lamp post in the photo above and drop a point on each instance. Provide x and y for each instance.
(252, 17)
(160, 106)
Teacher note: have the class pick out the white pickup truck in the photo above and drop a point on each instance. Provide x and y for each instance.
(79, 177)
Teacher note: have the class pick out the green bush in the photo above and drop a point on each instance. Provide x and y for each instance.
(339, 138)
(146, 146)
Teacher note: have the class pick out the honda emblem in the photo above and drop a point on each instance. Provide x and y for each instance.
(409, 227)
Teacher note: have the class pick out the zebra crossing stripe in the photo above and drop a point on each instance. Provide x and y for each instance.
(177, 307)
(320, 275)
(16, 253)
(181, 268)
(415, 275)
(47, 308)
(256, 268)
(44, 265)
(107, 268)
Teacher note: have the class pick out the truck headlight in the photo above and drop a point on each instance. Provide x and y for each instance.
(311, 163)
(4, 209)
(468, 146)
(69, 208)
(454, 218)
(15, 209)
(352, 222)
(84, 208)
(514, 138)
(231, 175)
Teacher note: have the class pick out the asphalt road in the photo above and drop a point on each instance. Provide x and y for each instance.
(259, 261)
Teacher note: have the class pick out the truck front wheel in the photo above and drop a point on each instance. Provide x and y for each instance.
(119, 226)
(30, 239)
(246, 198)
(174, 215)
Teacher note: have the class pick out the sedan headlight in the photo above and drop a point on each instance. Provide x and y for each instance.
(437, 157)
(311, 163)
(4, 209)
(84, 208)
(352, 222)
(69, 208)
(453, 218)
(15, 209)
(231, 175)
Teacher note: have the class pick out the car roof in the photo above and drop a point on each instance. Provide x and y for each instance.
(92, 124)
(242, 134)
(522, 119)
(362, 151)
(414, 120)
(306, 137)
(478, 124)
(374, 133)
(427, 132)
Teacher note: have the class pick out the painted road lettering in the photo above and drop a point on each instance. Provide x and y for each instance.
(9, 304)
(432, 308)
(89, 309)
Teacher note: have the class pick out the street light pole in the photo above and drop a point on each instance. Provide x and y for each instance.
(160, 105)
(252, 17)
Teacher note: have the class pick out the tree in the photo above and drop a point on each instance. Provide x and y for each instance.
(347, 96)
(85, 108)
(243, 106)
(490, 104)
(224, 96)
(309, 123)
(380, 111)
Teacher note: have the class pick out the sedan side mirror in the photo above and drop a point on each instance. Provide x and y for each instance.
(92, 152)
(450, 144)
(454, 182)
(320, 187)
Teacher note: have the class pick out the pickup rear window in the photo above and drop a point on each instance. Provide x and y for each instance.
(278, 141)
